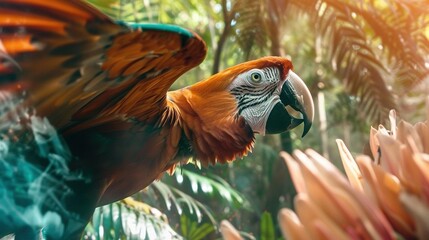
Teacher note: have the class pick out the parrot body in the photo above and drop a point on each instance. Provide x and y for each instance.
(104, 87)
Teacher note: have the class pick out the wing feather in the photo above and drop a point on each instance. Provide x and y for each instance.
(78, 65)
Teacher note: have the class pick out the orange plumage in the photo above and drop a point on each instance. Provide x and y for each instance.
(210, 113)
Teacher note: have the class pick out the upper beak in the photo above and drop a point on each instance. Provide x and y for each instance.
(295, 94)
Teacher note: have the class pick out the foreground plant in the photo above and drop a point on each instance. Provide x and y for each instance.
(384, 197)
(327, 207)
(398, 179)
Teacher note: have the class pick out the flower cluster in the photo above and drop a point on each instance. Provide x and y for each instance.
(385, 196)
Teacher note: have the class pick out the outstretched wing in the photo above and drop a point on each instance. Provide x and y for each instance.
(76, 63)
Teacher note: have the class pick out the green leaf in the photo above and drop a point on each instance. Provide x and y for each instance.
(107, 219)
(183, 225)
(173, 196)
(193, 230)
(118, 230)
(267, 227)
(202, 231)
(95, 226)
(120, 221)
(212, 184)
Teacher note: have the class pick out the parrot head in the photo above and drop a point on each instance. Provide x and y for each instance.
(268, 95)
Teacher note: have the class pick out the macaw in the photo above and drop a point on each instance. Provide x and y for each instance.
(104, 86)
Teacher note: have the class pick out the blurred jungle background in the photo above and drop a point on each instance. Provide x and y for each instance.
(360, 58)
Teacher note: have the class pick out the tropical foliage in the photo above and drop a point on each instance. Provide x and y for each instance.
(360, 59)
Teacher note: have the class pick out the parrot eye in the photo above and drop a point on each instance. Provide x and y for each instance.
(256, 77)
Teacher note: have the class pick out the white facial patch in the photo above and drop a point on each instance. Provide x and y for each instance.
(257, 92)
(257, 116)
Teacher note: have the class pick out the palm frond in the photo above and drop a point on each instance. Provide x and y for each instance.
(173, 198)
(209, 185)
(169, 198)
(353, 59)
(125, 221)
(377, 49)
(179, 198)
(212, 185)
(399, 27)
(250, 29)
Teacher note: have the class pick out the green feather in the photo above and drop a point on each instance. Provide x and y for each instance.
(159, 27)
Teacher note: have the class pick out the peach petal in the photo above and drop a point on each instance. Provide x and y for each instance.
(325, 232)
(387, 188)
(406, 130)
(368, 217)
(325, 167)
(309, 214)
(295, 172)
(423, 131)
(414, 177)
(423, 162)
(320, 187)
(383, 130)
(352, 170)
(366, 208)
(368, 189)
(228, 231)
(422, 170)
(407, 174)
(291, 226)
(332, 175)
(390, 153)
(362, 225)
(373, 143)
(419, 211)
(392, 119)
(326, 184)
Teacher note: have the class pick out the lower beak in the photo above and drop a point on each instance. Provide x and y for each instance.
(295, 95)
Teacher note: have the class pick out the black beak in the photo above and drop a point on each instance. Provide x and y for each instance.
(295, 95)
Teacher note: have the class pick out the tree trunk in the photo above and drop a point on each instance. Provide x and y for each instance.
(323, 124)
(227, 17)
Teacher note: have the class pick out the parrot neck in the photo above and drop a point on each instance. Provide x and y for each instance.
(211, 125)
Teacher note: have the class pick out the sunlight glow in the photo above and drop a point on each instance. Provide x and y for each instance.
(179, 178)
(194, 186)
